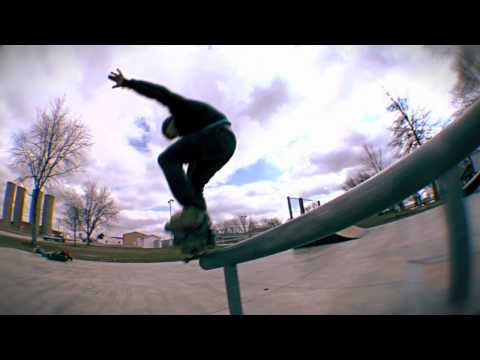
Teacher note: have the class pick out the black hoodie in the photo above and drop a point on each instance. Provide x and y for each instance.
(190, 115)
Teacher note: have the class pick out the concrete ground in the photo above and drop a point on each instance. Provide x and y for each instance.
(397, 268)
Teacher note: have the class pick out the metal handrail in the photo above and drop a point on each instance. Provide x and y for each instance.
(423, 166)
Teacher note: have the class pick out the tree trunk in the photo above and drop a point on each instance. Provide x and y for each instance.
(34, 216)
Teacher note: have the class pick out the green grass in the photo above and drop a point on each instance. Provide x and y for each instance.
(98, 253)
(139, 255)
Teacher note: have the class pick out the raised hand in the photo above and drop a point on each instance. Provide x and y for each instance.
(117, 78)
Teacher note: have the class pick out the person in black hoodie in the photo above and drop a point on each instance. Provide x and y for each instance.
(206, 144)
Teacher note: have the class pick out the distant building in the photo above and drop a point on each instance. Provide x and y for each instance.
(138, 239)
(15, 209)
(132, 239)
(110, 240)
(166, 243)
(149, 242)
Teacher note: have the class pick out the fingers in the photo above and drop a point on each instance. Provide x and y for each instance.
(118, 78)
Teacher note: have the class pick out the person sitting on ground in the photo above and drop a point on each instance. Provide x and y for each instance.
(62, 255)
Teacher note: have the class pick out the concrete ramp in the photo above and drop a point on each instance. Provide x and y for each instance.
(472, 184)
(350, 233)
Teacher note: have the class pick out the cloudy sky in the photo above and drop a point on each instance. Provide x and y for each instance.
(300, 113)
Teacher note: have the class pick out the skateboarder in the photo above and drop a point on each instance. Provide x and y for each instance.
(206, 143)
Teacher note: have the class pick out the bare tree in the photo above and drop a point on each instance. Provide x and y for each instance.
(235, 225)
(373, 158)
(467, 67)
(73, 221)
(355, 179)
(373, 161)
(55, 146)
(72, 206)
(268, 223)
(412, 127)
(252, 225)
(98, 209)
(228, 226)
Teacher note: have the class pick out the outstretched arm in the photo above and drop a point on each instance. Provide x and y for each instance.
(145, 88)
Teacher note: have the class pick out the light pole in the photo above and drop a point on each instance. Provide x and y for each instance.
(170, 203)
(243, 221)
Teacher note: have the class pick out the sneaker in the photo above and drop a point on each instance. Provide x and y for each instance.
(190, 218)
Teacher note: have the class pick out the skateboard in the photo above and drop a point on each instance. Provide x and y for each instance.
(194, 243)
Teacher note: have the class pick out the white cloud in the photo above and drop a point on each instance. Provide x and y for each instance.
(290, 105)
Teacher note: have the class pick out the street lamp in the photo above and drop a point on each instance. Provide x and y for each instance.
(170, 203)
(243, 222)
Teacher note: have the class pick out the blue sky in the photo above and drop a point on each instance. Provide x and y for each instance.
(260, 170)
(141, 143)
(161, 208)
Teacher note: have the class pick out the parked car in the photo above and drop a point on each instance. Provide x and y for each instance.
(54, 237)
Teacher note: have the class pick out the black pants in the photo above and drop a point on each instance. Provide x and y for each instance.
(205, 153)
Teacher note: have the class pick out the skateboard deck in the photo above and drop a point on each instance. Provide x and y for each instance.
(197, 255)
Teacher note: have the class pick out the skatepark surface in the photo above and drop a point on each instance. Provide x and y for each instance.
(397, 268)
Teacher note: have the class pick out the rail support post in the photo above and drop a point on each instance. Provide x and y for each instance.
(233, 290)
(460, 246)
